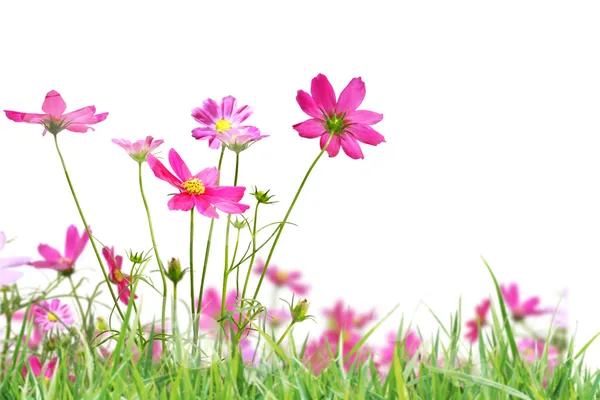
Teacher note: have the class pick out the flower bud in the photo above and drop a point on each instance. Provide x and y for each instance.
(299, 311)
(174, 272)
(238, 224)
(263, 197)
(101, 324)
(137, 258)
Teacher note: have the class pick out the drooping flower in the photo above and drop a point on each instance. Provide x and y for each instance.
(123, 281)
(54, 118)
(222, 123)
(53, 314)
(532, 350)
(74, 245)
(480, 319)
(520, 311)
(342, 318)
(281, 278)
(139, 149)
(341, 119)
(410, 343)
(9, 275)
(200, 190)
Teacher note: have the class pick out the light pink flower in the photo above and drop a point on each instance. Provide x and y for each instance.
(139, 149)
(281, 278)
(480, 320)
(411, 344)
(53, 314)
(240, 142)
(200, 190)
(37, 332)
(342, 119)
(210, 309)
(123, 281)
(278, 316)
(74, 245)
(342, 318)
(223, 122)
(54, 118)
(532, 350)
(520, 311)
(9, 275)
(316, 354)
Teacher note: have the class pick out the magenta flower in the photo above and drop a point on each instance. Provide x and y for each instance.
(200, 190)
(9, 275)
(123, 281)
(411, 344)
(240, 142)
(220, 119)
(54, 118)
(139, 149)
(316, 354)
(533, 350)
(74, 245)
(210, 309)
(38, 370)
(340, 119)
(281, 278)
(342, 318)
(480, 320)
(520, 310)
(53, 314)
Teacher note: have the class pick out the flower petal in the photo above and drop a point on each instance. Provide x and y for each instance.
(181, 201)
(366, 134)
(49, 253)
(18, 116)
(208, 176)
(352, 96)
(334, 145)
(204, 207)
(161, 172)
(323, 94)
(179, 166)
(216, 194)
(311, 128)
(2, 240)
(308, 105)
(241, 114)
(9, 276)
(228, 105)
(211, 108)
(201, 116)
(54, 104)
(232, 208)
(363, 117)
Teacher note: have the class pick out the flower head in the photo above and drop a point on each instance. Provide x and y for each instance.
(139, 149)
(278, 316)
(37, 333)
(317, 353)
(341, 120)
(342, 318)
(210, 309)
(123, 281)
(520, 311)
(282, 278)
(532, 350)
(222, 123)
(200, 190)
(8, 275)
(480, 320)
(54, 118)
(53, 314)
(53, 259)
(411, 344)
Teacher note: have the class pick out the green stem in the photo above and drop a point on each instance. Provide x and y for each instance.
(253, 251)
(237, 270)
(192, 295)
(6, 338)
(208, 243)
(226, 268)
(87, 228)
(161, 267)
(287, 215)
(83, 314)
(287, 330)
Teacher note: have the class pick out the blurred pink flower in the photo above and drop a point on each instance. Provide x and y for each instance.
(37, 332)
(53, 314)
(342, 119)
(210, 309)
(341, 318)
(9, 275)
(411, 344)
(281, 278)
(55, 120)
(480, 320)
(532, 350)
(316, 354)
(139, 149)
(74, 245)
(520, 311)
(37, 368)
(200, 190)
(123, 281)
(223, 122)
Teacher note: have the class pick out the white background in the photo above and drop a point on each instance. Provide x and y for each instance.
(491, 122)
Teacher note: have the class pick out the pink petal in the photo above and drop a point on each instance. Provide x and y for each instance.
(224, 193)
(54, 104)
(203, 133)
(311, 128)
(204, 207)
(179, 166)
(351, 147)
(366, 134)
(214, 143)
(163, 173)
(35, 364)
(241, 114)
(228, 105)
(352, 96)
(203, 117)
(12, 262)
(81, 116)
(334, 145)
(71, 242)
(9, 276)
(232, 208)
(363, 117)
(211, 108)
(81, 243)
(530, 305)
(46, 264)
(78, 128)
(49, 253)
(2, 240)
(18, 116)
(308, 105)
(323, 94)
(208, 176)
(181, 201)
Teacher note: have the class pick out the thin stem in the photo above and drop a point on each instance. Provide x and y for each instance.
(287, 215)
(237, 270)
(226, 268)
(161, 267)
(253, 250)
(83, 314)
(287, 330)
(87, 228)
(192, 295)
(7, 336)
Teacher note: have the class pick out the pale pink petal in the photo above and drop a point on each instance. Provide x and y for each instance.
(2, 240)
(181, 201)
(12, 262)
(162, 173)
(212, 109)
(81, 116)
(220, 193)
(308, 105)
(323, 94)
(78, 128)
(311, 128)
(18, 116)
(351, 147)
(45, 264)
(54, 104)
(203, 133)
(232, 208)
(214, 143)
(363, 117)
(208, 176)
(49, 253)
(241, 114)
(334, 145)
(366, 134)
(178, 165)
(8, 276)
(228, 105)
(352, 96)
(204, 207)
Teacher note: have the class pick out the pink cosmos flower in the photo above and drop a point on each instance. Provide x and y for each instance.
(533, 350)
(240, 142)
(37, 332)
(480, 320)
(74, 245)
(317, 357)
(200, 190)
(54, 118)
(278, 316)
(210, 309)
(139, 149)
(281, 278)
(411, 344)
(123, 281)
(520, 310)
(38, 370)
(53, 314)
(342, 119)
(223, 122)
(341, 318)
(9, 275)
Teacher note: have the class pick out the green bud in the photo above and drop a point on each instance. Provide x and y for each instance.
(174, 272)
(238, 224)
(137, 258)
(299, 311)
(263, 197)
(101, 324)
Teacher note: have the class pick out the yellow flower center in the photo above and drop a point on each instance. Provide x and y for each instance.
(282, 275)
(52, 317)
(528, 351)
(118, 275)
(194, 186)
(222, 125)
